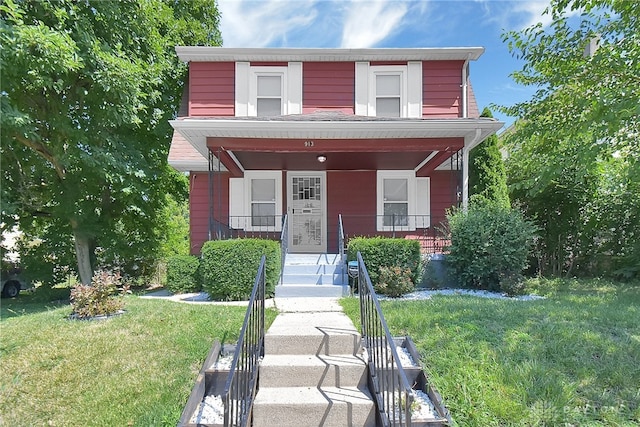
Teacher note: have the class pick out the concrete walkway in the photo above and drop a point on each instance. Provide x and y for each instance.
(283, 305)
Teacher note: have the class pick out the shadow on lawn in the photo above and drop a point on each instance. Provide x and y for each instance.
(31, 302)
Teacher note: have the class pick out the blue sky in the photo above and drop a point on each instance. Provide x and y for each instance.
(393, 23)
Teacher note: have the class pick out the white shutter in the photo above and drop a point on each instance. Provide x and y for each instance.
(414, 89)
(294, 88)
(362, 88)
(242, 89)
(236, 202)
(423, 203)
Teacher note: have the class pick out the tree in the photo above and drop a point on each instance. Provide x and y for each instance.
(487, 176)
(575, 156)
(87, 91)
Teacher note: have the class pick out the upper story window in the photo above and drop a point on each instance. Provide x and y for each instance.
(388, 99)
(269, 94)
(389, 90)
(268, 90)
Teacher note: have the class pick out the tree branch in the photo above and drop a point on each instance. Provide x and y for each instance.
(44, 152)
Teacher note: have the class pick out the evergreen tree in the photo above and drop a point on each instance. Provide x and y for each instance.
(487, 176)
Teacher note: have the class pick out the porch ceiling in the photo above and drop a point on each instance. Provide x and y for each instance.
(335, 161)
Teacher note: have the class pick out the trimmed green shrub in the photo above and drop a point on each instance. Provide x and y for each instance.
(229, 267)
(182, 274)
(394, 282)
(101, 298)
(386, 252)
(490, 245)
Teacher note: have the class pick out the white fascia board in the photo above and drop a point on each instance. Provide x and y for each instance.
(197, 130)
(222, 54)
(191, 165)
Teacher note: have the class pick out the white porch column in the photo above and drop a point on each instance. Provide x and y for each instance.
(469, 143)
(465, 178)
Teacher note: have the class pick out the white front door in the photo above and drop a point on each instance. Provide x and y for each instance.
(307, 207)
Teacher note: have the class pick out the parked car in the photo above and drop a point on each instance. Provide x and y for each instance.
(11, 282)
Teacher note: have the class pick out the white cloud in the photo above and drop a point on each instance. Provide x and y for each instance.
(312, 23)
(369, 22)
(263, 23)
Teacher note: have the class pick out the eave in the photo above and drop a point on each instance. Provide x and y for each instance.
(222, 54)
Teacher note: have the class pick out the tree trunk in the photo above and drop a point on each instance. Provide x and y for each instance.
(83, 254)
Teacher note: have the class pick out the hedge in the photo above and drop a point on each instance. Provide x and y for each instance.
(229, 267)
(386, 252)
(182, 274)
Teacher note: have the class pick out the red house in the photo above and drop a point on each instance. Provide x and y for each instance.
(375, 139)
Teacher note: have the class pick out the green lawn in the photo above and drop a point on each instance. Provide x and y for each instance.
(572, 359)
(132, 370)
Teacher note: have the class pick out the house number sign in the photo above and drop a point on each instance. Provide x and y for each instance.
(308, 143)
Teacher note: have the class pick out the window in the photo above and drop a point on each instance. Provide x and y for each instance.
(263, 202)
(269, 95)
(389, 90)
(403, 201)
(395, 202)
(255, 201)
(264, 91)
(388, 95)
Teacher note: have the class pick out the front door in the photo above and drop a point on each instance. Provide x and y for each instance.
(307, 207)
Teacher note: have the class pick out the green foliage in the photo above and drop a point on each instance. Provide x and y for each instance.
(490, 245)
(385, 252)
(229, 267)
(85, 105)
(183, 274)
(487, 175)
(574, 160)
(99, 299)
(394, 282)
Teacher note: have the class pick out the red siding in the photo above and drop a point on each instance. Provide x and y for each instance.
(441, 96)
(352, 194)
(443, 194)
(328, 86)
(199, 206)
(211, 88)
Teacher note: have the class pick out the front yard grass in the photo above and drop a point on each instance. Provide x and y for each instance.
(570, 359)
(136, 369)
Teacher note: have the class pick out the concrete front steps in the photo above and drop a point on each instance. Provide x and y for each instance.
(313, 374)
(313, 275)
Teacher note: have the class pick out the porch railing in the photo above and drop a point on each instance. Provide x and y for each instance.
(262, 227)
(240, 388)
(424, 228)
(392, 391)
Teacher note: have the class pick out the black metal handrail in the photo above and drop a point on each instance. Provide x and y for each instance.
(284, 246)
(393, 393)
(240, 388)
(341, 240)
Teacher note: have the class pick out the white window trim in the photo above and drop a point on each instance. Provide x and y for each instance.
(410, 176)
(388, 70)
(246, 87)
(411, 101)
(275, 175)
(256, 72)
